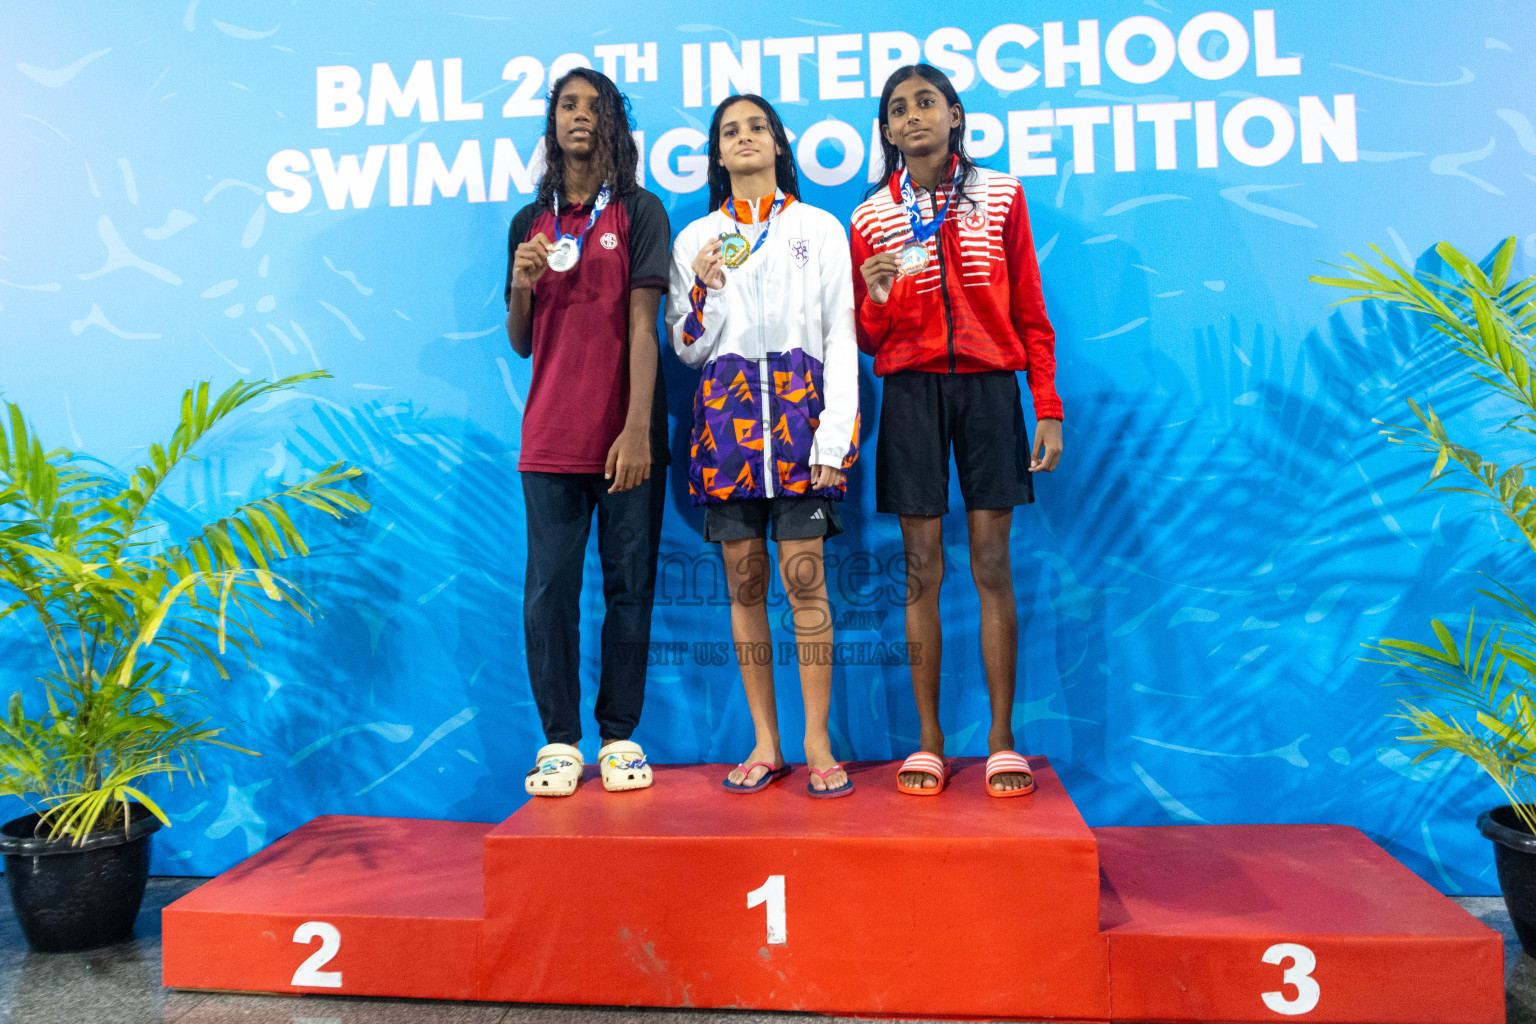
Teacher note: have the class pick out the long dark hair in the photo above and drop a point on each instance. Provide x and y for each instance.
(894, 161)
(613, 147)
(788, 179)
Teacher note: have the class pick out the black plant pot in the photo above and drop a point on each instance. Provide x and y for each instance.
(70, 897)
(1514, 855)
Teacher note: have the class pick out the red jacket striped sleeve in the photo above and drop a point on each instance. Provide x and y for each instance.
(1026, 308)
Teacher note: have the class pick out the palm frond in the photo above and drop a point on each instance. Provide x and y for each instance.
(1482, 681)
(86, 555)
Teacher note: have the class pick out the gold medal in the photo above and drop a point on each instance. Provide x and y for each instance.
(734, 249)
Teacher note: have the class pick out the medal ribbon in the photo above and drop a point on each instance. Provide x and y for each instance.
(920, 231)
(778, 204)
(597, 208)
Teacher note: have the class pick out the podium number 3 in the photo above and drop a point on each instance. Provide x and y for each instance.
(1299, 974)
(771, 892)
(309, 973)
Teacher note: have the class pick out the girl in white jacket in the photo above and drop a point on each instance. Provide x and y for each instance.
(762, 298)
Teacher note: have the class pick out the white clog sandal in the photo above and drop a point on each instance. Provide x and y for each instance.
(556, 771)
(623, 765)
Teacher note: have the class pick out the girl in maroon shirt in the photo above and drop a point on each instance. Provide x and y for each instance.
(588, 261)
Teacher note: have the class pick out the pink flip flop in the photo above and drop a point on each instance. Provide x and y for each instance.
(771, 776)
(846, 789)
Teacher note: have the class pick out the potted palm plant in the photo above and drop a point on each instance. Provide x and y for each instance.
(1478, 685)
(117, 601)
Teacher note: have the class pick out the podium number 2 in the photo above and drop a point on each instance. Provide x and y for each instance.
(309, 973)
(1299, 974)
(771, 892)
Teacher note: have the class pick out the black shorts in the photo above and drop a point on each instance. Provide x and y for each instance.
(791, 517)
(923, 415)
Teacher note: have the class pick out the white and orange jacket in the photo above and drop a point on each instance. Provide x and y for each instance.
(780, 389)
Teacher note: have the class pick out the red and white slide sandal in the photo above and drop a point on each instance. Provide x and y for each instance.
(931, 764)
(1008, 761)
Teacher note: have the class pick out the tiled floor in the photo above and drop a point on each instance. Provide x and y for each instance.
(121, 985)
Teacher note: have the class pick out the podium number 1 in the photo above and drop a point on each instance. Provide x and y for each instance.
(1299, 974)
(309, 973)
(771, 892)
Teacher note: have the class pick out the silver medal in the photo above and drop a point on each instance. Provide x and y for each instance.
(564, 255)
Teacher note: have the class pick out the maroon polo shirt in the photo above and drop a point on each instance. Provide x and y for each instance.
(579, 397)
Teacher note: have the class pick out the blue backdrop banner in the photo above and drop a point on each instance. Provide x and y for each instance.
(225, 189)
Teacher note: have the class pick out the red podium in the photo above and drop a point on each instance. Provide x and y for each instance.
(962, 905)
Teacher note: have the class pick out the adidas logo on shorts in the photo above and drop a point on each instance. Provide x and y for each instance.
(817, 515)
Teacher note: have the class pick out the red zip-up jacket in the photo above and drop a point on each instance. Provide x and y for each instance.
(976, 306)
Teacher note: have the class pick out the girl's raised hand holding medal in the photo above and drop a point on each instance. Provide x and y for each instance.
(529, 261)
(880, 272)
(709, 265)
(732, 247)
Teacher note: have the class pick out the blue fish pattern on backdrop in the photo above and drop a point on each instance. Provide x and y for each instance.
(1195, 582)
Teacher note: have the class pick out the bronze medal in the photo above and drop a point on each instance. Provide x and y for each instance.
(912, 259)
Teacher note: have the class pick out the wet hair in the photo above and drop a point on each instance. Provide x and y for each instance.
(786, 176)
(613, 148)
(894, 161)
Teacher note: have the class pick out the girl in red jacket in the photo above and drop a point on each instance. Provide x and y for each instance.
(948, 302)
